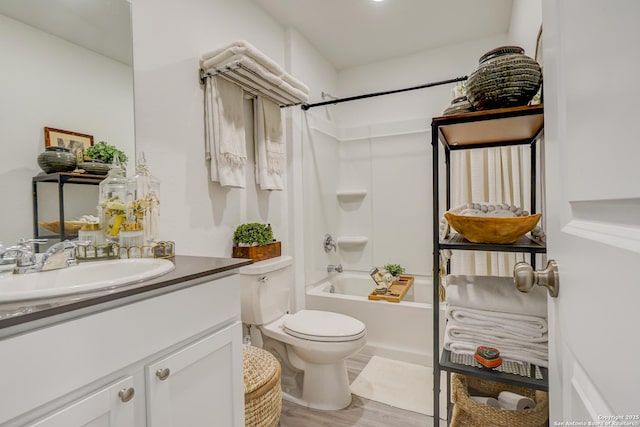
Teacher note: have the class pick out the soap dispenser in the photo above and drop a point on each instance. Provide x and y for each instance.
(114, 191)
(147, 202)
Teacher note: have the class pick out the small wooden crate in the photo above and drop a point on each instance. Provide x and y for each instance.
(257, 253)
(396, 292)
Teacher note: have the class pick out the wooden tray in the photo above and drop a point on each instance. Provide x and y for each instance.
(257, 253)
(396, 291)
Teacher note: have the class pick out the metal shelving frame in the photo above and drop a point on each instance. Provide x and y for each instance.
(61, 178)
(482, 129)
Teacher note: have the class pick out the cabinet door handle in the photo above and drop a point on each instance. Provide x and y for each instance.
(126, 394)
(163, 374)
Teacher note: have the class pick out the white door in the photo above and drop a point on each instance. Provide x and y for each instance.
(592, 111)
(199, 385)
(111, 406)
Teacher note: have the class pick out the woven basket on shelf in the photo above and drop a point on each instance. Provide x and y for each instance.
(262, 392)
(469, 413)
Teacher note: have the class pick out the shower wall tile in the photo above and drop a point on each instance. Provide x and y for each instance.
(355, 171)
(401, 201)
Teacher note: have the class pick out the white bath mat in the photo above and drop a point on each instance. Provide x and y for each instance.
(400, 384)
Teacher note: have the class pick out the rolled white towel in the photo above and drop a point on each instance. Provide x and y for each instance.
(489, 401)
(515, 402)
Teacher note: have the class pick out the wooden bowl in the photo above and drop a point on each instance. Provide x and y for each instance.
(70, 227)
(486, 229)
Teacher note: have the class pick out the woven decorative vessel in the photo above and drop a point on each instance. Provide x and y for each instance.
(469, 413)
(505, 77)
(485, 229)
(262, 391)
(56, 159)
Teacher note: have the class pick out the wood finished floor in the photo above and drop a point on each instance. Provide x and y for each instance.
(361, 412)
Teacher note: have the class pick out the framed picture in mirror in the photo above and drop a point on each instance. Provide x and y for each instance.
(74, 141)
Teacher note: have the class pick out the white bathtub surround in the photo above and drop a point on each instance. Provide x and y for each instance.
(399, 384)
(398, 331)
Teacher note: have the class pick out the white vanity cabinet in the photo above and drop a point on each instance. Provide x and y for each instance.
(112, 405)
(194, 386)
(169, 359)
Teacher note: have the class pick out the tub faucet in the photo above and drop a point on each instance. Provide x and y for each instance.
(336, 268)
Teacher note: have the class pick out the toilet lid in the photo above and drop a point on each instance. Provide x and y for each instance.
(324, 326)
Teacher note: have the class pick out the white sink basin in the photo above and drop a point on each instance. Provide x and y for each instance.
(85, 277)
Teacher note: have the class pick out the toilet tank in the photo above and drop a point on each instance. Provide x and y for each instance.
(264, 288)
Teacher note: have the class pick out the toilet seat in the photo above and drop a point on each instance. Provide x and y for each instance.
(324, 326)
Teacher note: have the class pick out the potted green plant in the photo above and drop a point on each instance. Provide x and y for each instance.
(395, 270)
(255, 241)
(104, 152)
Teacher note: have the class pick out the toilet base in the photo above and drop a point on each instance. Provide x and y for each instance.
(323, 386)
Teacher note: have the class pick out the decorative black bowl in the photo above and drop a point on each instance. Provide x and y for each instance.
(95, 167)
(56, 159)
(459, 105)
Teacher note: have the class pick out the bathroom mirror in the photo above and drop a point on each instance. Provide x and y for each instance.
(67, 64)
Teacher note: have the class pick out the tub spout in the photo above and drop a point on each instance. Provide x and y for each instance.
(336, 268)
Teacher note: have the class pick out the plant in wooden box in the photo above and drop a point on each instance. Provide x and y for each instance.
(255, 241)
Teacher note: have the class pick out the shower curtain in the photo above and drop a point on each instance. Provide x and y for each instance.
(490, 175)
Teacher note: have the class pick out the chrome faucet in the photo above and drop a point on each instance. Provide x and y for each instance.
(24, 257)
(60, 255)
(336, 268)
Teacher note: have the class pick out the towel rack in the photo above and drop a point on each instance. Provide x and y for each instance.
(251, 82)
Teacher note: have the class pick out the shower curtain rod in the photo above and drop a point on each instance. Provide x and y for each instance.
(388, 92)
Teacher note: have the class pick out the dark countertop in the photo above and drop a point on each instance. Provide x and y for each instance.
(187, 269)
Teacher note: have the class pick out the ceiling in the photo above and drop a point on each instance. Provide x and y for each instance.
(349, 33)
(102, 26)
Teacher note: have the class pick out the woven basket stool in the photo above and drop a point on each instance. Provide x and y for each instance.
(469, 413)
(262, 392)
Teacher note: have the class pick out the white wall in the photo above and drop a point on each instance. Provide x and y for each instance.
(47, 81)
(169, 38)
(526, 20)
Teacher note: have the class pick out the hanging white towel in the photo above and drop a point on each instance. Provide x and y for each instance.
(225, 132)
(269, 145)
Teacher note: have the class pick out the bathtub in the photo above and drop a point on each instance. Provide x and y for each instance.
(400, 331)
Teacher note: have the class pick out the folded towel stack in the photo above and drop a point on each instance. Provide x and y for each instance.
(256, 70)
(234, 70)
(490, 311)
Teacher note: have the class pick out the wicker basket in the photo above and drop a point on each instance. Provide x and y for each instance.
(469, 413)
(262, 392)
(481, 229)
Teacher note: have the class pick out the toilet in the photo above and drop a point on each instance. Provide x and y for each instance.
(311, 345)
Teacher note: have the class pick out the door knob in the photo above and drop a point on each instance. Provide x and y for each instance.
(525, 277)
